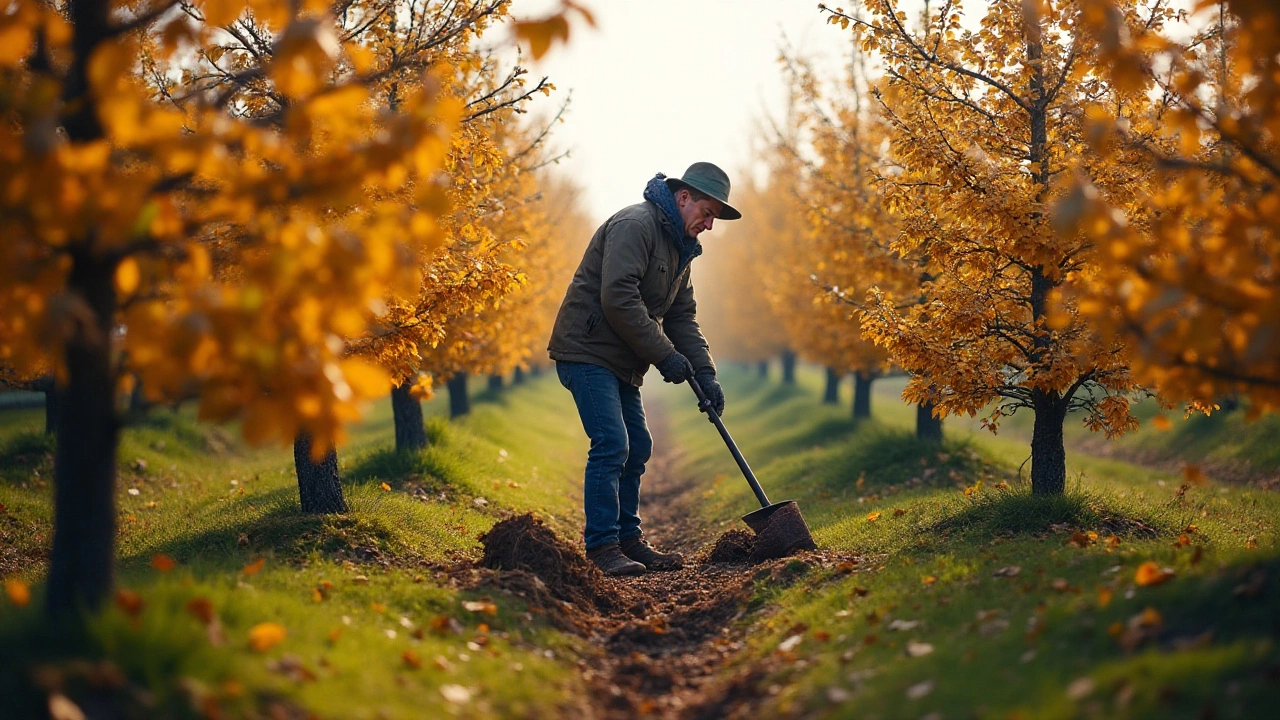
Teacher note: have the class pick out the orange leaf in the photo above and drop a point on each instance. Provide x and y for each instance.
(253, 567)
(1194, 475)
(1149, 573)
(1161, 422)
(487, 608)
(162, 562)
(873, 516)
(385, 486)
(266, 635)
(1104, 596)
(411, 659)
(202, 608)
(129, 602)
(18, 592)
(898, 512)
(929, 579)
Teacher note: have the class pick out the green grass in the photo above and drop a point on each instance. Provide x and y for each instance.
(373, 629)
(1040, 643)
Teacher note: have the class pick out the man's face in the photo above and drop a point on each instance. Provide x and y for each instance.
(697, 214)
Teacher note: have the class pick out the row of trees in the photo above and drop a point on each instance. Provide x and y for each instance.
(1054, 207)
(279, 210)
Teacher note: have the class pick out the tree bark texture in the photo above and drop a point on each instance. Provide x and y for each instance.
(318, 485)
(1048, 455)
(788, 367)
(862, 396)
(49, 386)
(928, 427)
(495, 383)
(459, 401)
(831, 396)
(406, 410)
(81, 563)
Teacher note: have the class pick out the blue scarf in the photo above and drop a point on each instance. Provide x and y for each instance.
(658, 193)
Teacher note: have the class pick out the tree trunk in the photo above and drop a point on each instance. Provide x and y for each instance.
(49, 386)
(928, 427)
(81, 565)
(318, 486)
(763, 369)
(831, 396)
(862, 397)
(517, 376)
(495, 383)
(788, 367)
(411, 433)
(535, 370)
(1048, 455)
(459, 402)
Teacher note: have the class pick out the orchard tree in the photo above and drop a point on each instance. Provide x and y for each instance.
(1191, 283)
(983, 123)
(110, 217)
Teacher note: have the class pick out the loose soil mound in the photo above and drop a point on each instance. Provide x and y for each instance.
(785, 533)
(524, 543)
(732, 547)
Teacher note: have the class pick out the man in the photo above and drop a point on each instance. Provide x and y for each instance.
(630, 305)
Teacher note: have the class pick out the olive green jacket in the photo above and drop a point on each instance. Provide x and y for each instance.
(630, 302)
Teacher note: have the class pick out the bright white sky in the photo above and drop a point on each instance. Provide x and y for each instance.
(660, 84)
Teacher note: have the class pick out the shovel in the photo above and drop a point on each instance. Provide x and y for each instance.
(779, 527)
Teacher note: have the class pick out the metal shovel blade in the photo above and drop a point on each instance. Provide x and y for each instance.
(780, 530)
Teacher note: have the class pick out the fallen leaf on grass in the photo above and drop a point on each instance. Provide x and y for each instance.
(1113, 541)
(201, 608)
(1251, 543)
(873, 516)
(254, 567)
(918, 649)
(1195, 475)
(482, 606)
(18, 592)
(1149, 573)
(790, 643)
(129, 602)
(1082, 540)
(411, 659)
(62, 708)
(904, 625)
(291, 666)
(928, 579)
(899, 512)
(1104, 596)
(1007, 571)
(443, 625)
(162, 562)
(266, 635)
(385, 487)
(456, 694)
(919, 690)
(1080, 688)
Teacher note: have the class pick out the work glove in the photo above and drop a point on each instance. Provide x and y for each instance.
(711, 388)
(675, 368)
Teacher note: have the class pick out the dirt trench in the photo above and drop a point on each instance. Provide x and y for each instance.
(663, 641)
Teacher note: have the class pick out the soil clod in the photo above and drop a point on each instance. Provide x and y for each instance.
(785, 533)
(732, 547)
(525, 543)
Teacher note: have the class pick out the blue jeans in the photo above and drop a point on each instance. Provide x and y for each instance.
(613, 417)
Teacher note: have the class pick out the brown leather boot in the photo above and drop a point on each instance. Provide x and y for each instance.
(639, 549)
(611, 561)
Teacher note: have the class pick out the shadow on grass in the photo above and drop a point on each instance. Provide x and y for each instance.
(431, 469)
(1015, 512)
(282, 530)
(24, 453)
(876, 459)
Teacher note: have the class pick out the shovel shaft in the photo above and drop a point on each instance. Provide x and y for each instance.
(705, 406)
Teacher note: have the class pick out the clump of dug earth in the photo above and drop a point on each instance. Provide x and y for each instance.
(785, 534)
(525, 544)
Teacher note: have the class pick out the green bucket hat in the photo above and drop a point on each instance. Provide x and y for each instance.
(709, 180)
